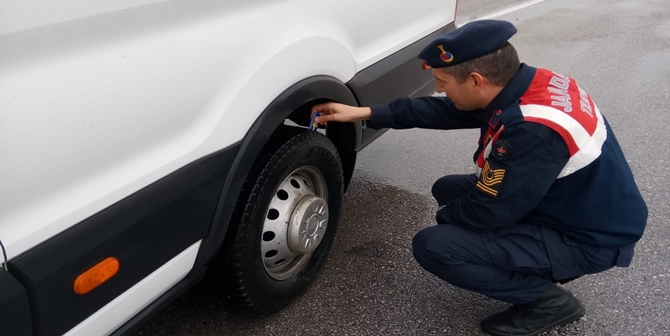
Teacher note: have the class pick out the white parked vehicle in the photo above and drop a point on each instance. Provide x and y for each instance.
(143, 142)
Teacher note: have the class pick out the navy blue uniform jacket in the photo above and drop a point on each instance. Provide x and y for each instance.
(533, 171)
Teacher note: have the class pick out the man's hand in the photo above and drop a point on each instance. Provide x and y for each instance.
(341, 113)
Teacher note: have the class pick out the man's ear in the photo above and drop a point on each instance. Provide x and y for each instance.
(477, 81)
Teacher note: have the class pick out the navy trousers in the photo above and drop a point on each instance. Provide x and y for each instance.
(513, 264)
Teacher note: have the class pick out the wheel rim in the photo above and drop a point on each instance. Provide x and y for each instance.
(295, 222)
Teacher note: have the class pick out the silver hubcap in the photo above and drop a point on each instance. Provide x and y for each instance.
(308, 225)
(295, 223)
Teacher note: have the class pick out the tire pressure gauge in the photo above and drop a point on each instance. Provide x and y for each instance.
(313, 125)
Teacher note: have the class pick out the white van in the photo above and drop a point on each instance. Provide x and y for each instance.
(144, 142)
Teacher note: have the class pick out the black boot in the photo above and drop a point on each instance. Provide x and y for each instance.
(554, 307)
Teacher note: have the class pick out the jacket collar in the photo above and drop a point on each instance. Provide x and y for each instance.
(511, 93)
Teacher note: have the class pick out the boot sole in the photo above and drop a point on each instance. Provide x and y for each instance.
(568, 319)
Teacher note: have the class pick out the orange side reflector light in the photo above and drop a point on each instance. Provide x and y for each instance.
(96, 276)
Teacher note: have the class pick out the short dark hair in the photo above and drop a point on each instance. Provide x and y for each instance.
(499, 67)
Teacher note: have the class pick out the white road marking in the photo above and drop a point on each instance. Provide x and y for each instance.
(506, 11)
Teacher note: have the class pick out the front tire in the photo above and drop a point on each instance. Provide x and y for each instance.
(285, 223)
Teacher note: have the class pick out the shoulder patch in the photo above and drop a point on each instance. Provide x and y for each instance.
(491, 179)
(502, 149)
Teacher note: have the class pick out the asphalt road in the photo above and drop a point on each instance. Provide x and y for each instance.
(619, 51)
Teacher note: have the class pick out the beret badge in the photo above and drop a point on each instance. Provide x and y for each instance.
(445, 56)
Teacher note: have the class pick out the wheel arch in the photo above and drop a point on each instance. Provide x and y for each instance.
(293, 104)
